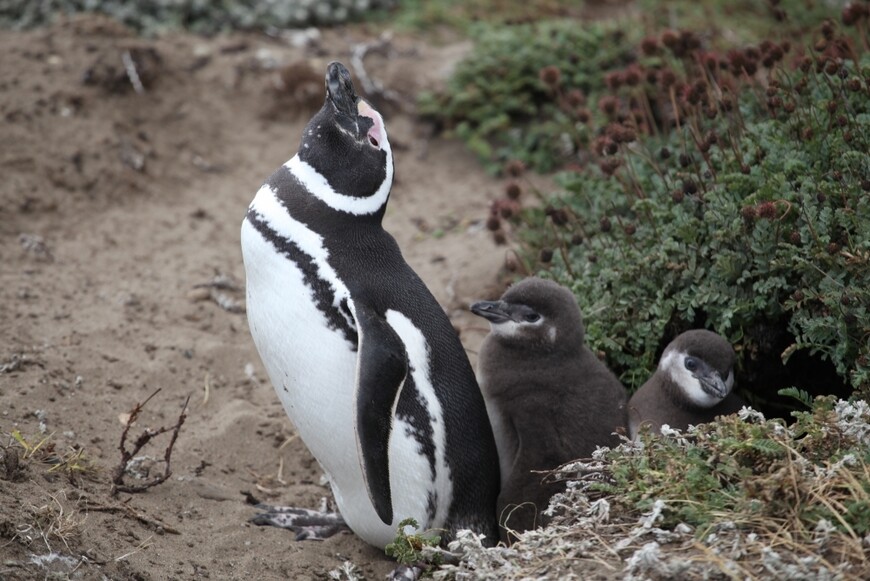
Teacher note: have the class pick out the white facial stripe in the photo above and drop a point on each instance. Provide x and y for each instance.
(505, 329)
(513, 329)
(674, 364)
(418, 359)
(271, 211)
(320, 188)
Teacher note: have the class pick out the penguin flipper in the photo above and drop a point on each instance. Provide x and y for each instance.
(381, 370)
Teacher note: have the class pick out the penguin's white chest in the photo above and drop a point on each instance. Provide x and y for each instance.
(312, 366)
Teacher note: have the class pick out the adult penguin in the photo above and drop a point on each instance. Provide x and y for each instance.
(363, 358)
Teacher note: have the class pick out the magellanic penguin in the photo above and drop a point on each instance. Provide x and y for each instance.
(366, 363)
(692, 385)
(550, 399)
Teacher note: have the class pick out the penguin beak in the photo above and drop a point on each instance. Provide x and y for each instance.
(493, 311)
(339, 89)
(712, 384)
(355, 115)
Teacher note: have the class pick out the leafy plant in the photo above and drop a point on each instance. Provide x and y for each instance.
(733, 470)
(800, 395)
(725, 189)
(407, 548)
(522, 93)
(744, 497)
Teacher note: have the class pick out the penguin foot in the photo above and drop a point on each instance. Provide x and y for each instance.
(311, 525)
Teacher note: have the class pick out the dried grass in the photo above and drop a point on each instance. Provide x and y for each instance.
(743, 498)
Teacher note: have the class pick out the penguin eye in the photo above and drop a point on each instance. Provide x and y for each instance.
(691, 364)
(532, 317)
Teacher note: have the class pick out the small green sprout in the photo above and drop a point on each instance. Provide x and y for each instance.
(407, 548)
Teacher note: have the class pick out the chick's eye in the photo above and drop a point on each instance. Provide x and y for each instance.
(691, 364)
(532, 317)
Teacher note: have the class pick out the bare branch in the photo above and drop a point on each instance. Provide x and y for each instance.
(118, 484)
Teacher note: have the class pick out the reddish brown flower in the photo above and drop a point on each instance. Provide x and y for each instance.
(609, 165)
(614, 80)
(685, 160)
(670, 39)
(608, 104)
(559, 217)
(767, 210)
(575, 98)
(805, 63)
(649, 46)
(690, 187)
(854, 12)
(550, 75)
(621, 134)
(667, 78)
(515, 168)
(513, 190)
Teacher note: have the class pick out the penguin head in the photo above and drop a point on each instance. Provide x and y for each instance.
(535, 314)
(346, 142)
(700, 364)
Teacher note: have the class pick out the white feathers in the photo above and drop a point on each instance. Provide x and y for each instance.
(418, 359)
(512, 328)
(674, 364)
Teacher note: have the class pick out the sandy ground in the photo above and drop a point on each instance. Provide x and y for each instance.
(114, 206)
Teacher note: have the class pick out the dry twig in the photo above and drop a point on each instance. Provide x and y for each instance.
(371, 86)
(118, 484)
(132, 72)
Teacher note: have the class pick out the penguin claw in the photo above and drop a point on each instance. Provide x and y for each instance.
(309, 525)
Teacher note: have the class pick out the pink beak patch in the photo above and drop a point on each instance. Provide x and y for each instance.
(376, 133)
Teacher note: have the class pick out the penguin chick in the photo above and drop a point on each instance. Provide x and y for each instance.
(549, 398)
(692, 384)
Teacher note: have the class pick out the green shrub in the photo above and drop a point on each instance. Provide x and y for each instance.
(727, 190)
(519, 95)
